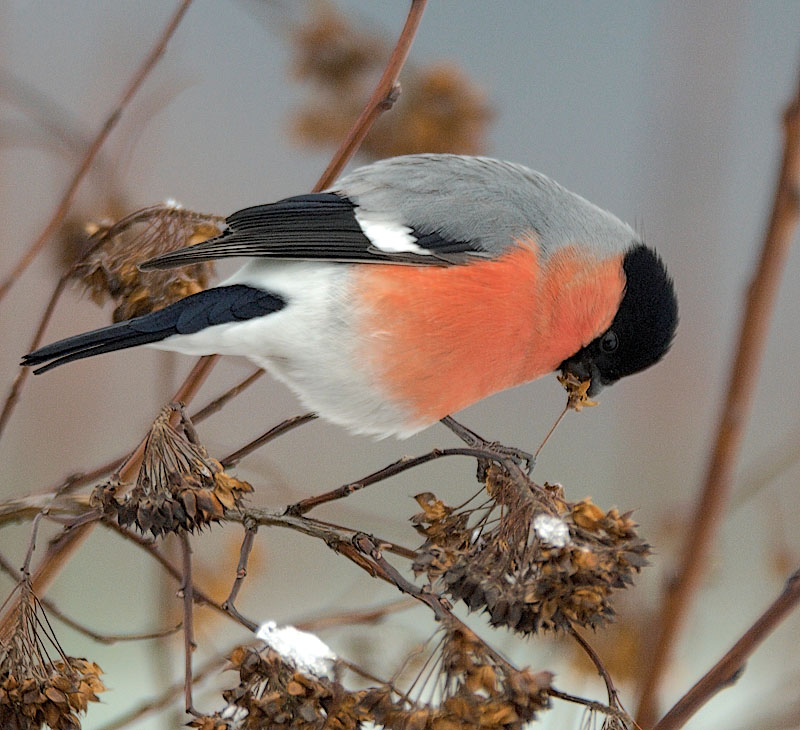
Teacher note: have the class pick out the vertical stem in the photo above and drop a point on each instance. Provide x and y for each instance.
(710, 507)
(187, 589)
(382, 98)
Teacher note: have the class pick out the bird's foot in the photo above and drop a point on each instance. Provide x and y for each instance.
(522, 459)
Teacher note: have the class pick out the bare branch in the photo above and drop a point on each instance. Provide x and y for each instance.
(15, 391)
(742, 380)
(727, 669)
(63, 207)
(382, 98)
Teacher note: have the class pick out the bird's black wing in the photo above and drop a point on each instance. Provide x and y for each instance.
(322, 227)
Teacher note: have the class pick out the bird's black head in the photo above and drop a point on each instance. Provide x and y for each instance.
(642, 330)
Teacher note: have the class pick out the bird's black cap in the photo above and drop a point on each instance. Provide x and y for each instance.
(642, 330)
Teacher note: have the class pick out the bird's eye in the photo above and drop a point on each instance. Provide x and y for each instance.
(609, 342)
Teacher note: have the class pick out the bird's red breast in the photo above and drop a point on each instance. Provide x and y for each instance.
(441, 338)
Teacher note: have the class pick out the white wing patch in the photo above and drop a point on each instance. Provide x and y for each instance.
(388, 235)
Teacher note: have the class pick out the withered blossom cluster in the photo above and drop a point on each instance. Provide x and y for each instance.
(178, 487)
(109, 268)
(440, 109)
(478, 691)
(493, 558)
(35, 688)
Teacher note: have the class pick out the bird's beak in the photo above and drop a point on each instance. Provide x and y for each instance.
(581, 367)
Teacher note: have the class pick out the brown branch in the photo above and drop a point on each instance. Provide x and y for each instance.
(250, 529)
(62, 548)
(438, 604)
(199, 595)
(727, 669)
(229, 394)
(15, 391)
(742, 381)
(284, 427)
(591, 704)
(66, 201)
(187, 594)
(382, 98)
(214, 664)
(349, 618)
(401, 465)
(28, 507)
(613, 695)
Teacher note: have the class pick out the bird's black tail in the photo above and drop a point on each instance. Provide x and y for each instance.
(194, 313)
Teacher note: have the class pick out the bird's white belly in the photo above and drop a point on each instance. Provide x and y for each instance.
(309, 344)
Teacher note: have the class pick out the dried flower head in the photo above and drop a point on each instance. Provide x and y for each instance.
(541, 564)
(39, 683)
(179, 486)
(474, 688)
(577, 392)
(331, 52)
(110, 267)
(272, 693)
(440, 108)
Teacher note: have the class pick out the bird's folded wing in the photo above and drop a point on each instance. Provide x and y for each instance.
(322, 227)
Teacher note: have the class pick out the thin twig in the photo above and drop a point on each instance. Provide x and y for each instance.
(707, 515)
(200, 596)
(401, 465)
(613, 695)
(15, 391)
(187, 593)
(727, 669)
(382, 98)
(438, 604)
(214, 664)
(351, 618)
(61, 549)
(229, 394)
(26, 566)
(591, 704)
(284, 427)
(66, 202)
(250, 529)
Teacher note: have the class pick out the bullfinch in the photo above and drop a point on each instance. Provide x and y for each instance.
(413, 287)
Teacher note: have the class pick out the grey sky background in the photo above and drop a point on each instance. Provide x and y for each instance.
(666, 113)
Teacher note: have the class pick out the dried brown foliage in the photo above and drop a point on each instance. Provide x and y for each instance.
(541, 564)
(440, 109)
(272, 693)
(110, 266)
(35, 687)
(178, 487)
(473, 688)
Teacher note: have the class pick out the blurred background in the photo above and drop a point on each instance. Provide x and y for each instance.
(668, 114)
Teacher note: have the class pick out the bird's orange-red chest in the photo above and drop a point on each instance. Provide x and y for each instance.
(445, 337)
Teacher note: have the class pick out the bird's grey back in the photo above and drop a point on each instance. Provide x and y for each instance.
(485, 201)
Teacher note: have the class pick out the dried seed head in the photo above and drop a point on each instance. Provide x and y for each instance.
(577, 392)
(272, 693)
(179, 486)
(542, 564)
(440, 108)
(109, 268)
(480, 691)
(39, 684)
(330, 51)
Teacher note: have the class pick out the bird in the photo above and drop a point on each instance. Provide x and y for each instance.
(413, 287)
